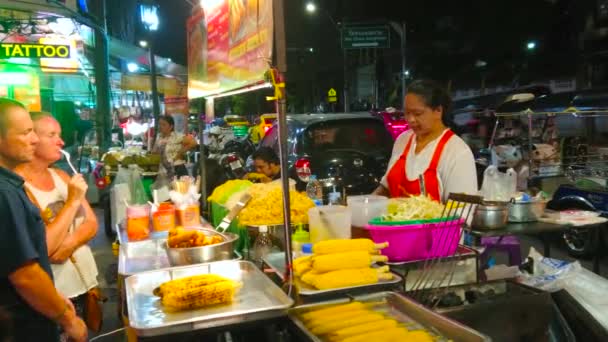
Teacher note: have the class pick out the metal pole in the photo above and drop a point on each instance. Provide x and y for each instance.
(102, 78)
(345, 90)
(281, 58)
(155, 104)
(403, 64)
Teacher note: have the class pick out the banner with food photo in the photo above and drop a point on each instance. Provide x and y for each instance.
(229, 45)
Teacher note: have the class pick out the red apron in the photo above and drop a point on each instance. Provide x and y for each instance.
(400, 186)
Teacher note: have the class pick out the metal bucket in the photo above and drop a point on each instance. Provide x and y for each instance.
(526, 211)
(197, 255)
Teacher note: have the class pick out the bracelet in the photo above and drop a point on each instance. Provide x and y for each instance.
(60, 316)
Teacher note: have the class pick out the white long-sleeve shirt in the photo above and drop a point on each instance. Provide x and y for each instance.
(456, 169)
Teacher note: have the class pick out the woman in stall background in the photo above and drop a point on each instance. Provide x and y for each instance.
(70, 221)
(429, 149)
(172, 147)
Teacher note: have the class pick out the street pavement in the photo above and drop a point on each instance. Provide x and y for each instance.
(107, 264)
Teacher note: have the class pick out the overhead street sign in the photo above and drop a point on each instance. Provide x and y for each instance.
(363, 37)
(332, 95)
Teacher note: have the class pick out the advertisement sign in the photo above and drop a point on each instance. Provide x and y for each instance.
(360, 37)
(229, 45)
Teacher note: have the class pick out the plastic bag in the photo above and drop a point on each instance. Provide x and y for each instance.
(136, 186)
(123, 176)
(549, 274)
(498, 186)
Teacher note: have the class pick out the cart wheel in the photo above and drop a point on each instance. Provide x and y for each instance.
(581, 243)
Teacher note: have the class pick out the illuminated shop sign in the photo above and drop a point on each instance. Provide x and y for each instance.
(25, 50)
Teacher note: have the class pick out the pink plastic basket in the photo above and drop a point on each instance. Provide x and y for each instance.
(418, 241)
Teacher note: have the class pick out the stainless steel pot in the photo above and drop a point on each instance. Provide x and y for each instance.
(526, 211)
(490, 216)
(196, 255)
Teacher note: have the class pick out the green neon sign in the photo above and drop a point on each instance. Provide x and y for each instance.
(25, 50)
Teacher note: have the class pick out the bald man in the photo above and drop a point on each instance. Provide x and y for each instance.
(27, 292)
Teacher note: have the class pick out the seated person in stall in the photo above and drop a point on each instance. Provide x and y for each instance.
(429, 149)
(267, 165)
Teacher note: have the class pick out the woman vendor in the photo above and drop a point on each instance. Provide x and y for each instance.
(429, 149)
(172, 147)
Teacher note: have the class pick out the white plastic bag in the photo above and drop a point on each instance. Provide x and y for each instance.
(498, 186)
(549, 274)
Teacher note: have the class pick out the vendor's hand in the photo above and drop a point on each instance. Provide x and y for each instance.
(77, 188)
(69, 303)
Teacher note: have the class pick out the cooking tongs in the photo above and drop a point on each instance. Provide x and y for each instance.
(233, 213)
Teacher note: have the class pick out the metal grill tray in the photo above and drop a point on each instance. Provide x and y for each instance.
(259, 298)
(403, 309)
(146, 255)
(276, 261)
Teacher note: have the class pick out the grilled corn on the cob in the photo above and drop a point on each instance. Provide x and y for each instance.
(182, 284)
(346, 260)
(346, 245)
(200, 296)
(350, 277)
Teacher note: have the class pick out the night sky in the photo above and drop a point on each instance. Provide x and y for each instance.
(445, 38)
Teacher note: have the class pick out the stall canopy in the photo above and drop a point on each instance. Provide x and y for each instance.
(588, 101)
(229, 46)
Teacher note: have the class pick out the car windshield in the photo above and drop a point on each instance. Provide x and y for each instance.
(361, 135)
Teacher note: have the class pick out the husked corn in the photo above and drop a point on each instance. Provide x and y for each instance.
(302, 265)
(197, 297)
(332, 310)
(345, 260)
(363, 328)
(343, 245)
(181, 284)
(345, 278)
(323, 319)
(391, 334)
(341, 324)
(420, 336)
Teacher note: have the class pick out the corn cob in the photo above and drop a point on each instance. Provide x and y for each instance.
(394, 334)
(309, 276)
(337, 325)
(363, 329)
(335, 317)
(420, 336)
(347, 245)
(346, 260)
(197, 297)
(351, 277)
(181, 284)
(301, 265)
(332, 310)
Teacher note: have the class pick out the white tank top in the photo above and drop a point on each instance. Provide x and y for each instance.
(67, 279)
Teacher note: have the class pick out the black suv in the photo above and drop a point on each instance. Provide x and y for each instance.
(342, 150)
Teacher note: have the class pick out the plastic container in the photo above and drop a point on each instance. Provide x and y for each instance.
(190, 216)
(306, 249)
(164, 218)
(329, 222)
(138, 222)
(418, 241)
(314, 190)
(364, 208)
(299, 238)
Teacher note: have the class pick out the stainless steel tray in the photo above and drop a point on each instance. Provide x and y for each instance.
(259, 298)
(276, 261)
(403, 309)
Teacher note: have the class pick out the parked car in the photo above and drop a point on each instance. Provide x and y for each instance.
(394, 121)
(343, 150)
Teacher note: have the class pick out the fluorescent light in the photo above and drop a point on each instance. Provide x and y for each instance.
(143, 43)
(132, 67)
